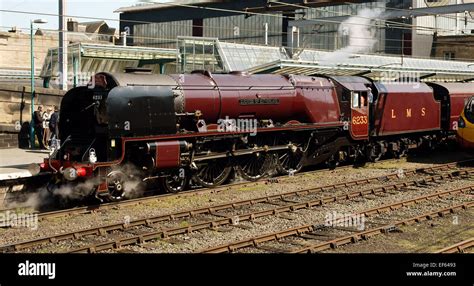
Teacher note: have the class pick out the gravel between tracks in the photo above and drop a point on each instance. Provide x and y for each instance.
(198, 240)
(428, 236)
(208, 238)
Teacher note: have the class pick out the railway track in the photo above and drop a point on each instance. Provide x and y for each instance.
(147, 199)
(150, 198)
(147, 196)
(316, 238)
(230, 214)
(458, 247)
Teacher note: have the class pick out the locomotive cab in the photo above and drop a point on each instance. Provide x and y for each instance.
(355, 98)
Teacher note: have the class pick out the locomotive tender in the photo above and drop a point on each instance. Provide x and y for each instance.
(182, 128)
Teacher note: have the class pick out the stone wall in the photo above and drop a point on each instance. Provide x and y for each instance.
(15, 47)
(460, 47)
(15, 109)
(15, 50)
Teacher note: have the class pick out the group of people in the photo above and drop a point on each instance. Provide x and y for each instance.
(46, 126)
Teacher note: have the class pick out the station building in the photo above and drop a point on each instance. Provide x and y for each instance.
(302, 24)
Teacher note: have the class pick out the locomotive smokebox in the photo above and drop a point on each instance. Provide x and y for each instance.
(141, 111)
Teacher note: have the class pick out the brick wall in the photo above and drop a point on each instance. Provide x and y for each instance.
(460, 47)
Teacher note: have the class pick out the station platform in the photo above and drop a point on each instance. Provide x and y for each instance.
(18, 163)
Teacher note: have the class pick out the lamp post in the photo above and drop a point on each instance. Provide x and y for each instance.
(32, 128)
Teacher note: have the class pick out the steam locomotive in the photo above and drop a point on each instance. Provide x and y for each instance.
(203, 127)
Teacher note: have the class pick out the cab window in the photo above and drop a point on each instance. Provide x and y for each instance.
(355, 99)
(359, 99)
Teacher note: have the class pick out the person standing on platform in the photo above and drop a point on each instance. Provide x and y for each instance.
(53, 124)
(38, 125)
(46, 135)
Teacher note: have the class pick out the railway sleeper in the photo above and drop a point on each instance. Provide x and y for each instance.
(318, 236)
(270, 249)
(344, 228)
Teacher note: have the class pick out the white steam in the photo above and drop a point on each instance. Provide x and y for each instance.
(133, 186)
(42, 198)
(361, 36)
(79, 191)
(33, 200)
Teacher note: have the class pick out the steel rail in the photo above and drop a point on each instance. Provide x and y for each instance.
(297, 231)
(458, 247)
(200, 191)
(102, 230)
(231, 220)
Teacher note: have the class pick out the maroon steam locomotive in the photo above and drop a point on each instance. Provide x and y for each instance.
(201, 127)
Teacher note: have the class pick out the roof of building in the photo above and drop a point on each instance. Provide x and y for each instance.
(160, 6)
(99, 57)
(263, 59)
(261, 6)
(94, 26)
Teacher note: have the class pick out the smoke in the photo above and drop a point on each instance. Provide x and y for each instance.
(133, 187)
(129, 175)
(77, 192)
(42, 198)
(360, 33)
(35, 200)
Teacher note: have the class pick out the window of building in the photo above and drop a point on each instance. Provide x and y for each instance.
(448, 55)
(198, 27)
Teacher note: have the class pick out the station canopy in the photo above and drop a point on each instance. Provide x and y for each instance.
(197, 53)
(258, 59)
(86, 59)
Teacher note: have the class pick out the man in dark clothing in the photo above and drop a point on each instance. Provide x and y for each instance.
(38, 124)
(53, 123)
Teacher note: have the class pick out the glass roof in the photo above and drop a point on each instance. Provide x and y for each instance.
(242, 57)
(261, 59)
